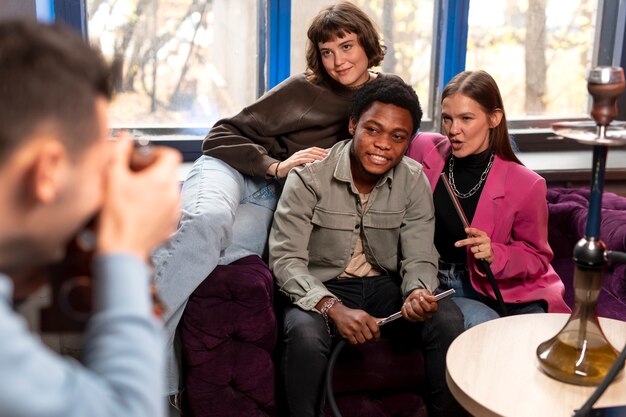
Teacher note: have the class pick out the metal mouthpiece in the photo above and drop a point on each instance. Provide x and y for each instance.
(605, 75)
(605, 84)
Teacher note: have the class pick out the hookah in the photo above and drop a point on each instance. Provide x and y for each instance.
(580, 353)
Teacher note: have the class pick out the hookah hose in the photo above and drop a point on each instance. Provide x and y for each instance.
(330, 395)
(484, 265)
(585, 410)
(494, 286)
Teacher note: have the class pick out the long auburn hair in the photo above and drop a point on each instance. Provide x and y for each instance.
(482, 88)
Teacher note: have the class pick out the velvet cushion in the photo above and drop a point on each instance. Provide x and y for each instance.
(568, 209)
(228, 335)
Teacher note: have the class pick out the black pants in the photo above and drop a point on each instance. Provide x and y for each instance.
(307, 344)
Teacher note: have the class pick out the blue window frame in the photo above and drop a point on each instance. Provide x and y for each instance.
(45, 10)
(449, 50)
(280, 40)
(73, 13)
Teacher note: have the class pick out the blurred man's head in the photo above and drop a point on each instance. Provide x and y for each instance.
(384, 117)
(54, 94)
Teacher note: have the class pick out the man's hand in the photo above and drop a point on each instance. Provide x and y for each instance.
(419, 305)
(356, 326)
(141, 208)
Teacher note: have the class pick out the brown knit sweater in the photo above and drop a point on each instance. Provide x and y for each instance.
(294, 115)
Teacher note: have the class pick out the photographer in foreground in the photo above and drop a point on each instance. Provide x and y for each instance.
(58, 170)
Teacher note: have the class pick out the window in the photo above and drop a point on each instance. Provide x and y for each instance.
(537, 50)
(178, 63)
(186, 63)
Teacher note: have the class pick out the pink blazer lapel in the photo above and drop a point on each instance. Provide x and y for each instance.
(434, 160)
(490, 203)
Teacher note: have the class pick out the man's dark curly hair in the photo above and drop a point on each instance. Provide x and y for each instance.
(389, 90)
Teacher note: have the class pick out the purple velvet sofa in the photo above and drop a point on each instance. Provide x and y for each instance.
(229, 331)
(566, 225)
(229, 336)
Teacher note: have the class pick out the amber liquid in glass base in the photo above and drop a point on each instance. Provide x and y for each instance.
(582, 363)
(580, 354)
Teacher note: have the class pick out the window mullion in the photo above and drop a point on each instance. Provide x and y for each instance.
(280, 40)
(449, 48)
(73, 13)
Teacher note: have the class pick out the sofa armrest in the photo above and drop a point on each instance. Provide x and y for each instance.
(228, 337)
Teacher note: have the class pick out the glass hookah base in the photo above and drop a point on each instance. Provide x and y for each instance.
(582, 363)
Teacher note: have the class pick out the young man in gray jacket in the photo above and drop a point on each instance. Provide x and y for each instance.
(352, 242)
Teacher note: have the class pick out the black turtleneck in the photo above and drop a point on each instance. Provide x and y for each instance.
(448, 226)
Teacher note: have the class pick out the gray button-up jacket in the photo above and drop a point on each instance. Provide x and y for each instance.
(319, 218)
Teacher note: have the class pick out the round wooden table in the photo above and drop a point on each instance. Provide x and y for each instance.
(492, 369)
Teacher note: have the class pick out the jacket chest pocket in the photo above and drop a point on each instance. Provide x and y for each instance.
(382, 231)
(331, 237)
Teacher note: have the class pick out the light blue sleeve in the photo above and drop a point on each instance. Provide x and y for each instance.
(123, 371)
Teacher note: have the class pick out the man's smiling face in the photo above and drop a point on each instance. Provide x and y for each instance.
(381, 137)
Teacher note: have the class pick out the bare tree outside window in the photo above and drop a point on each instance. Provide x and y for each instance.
(537, 50)
(535, 57)
(177, 62)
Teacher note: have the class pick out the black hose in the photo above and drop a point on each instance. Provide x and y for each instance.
(615, 256)
(330, 395)
(585, 410)
(494, 285)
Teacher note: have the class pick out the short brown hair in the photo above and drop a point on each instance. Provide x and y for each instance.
(49, 79)
(335, 22)
(483, 89)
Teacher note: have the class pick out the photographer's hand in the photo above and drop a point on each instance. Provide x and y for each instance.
(141, 207)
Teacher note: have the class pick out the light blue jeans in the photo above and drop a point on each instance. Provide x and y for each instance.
(477, 308)
(225, 216)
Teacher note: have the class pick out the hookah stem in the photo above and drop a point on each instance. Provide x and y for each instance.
(594, 215)
(595, 198)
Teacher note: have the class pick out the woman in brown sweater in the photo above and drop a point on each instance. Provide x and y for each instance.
(231, 192)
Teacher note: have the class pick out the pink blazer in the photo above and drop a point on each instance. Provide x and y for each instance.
(512, 210)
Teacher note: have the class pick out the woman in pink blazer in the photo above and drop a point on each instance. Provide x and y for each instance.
(504, 201)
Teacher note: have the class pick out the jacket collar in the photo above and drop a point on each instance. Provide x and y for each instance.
(435, 160)
(437, 155)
